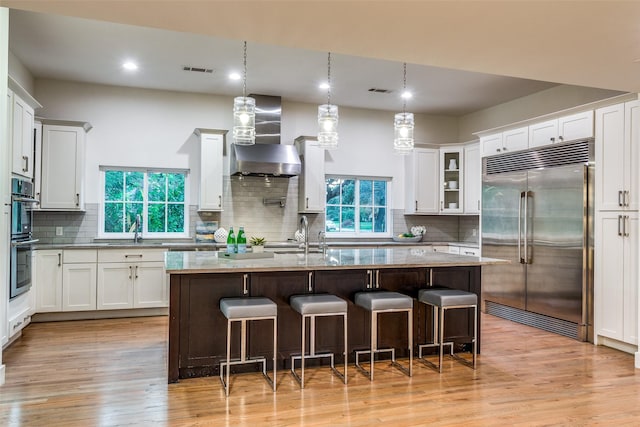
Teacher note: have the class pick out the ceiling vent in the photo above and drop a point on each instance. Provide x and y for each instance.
(378, 90)
(198, 69)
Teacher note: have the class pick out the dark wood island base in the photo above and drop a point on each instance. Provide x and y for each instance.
(197, 328)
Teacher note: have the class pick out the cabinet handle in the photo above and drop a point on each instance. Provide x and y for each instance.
(478, 205)
(220, 201)
(624, 226)
(620, 198)
(59, 259)
(626, 197)
(368, 279)
(17, 324)
(77, 199)
(553, 139)
(133, 256)
(26, 163)
(136, 272)
(441, 205)
(416, 206)
(310, 281)
(561, 138)
(504, 148)
(129, 272)
(377, 279)
(498, 150)
(245, 284)
(307, 203)
(619, 225)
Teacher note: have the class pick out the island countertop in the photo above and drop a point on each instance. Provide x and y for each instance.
(190, 262)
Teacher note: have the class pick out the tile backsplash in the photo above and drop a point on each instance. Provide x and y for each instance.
(246, 207)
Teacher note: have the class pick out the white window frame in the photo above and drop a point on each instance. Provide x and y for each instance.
(145, 232)
(357, 234)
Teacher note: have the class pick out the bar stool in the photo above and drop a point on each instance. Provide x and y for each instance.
(241, 310)
(385, 302)
(312, 306)
(442, 300)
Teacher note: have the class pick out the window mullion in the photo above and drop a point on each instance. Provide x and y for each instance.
(356, 202)
(145, 201)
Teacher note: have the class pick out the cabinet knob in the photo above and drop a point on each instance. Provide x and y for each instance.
(498, 150)
(220, 201)
(561, 138)
(553, 139)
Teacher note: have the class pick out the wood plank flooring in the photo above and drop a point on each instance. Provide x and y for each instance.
(113, 372)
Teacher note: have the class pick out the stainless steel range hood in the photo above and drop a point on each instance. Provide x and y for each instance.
(267, 157)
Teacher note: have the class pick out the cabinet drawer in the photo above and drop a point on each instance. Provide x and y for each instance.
(470, 251)
(130, 255)
(19, 322)
(73, 256)
(441, 248)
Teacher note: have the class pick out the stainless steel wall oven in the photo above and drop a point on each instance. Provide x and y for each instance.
(22, 203)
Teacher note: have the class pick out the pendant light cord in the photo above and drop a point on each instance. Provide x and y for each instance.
(244, 80)
(404, 91)
(329, 79)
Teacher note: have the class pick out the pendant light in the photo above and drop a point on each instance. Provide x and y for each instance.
(403, 123)
(328, 117)
(244, 113)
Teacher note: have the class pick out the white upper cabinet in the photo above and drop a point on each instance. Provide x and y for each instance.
(566, 128)
(505, 142)
(63, 164)
(617, 144)
(422, 181)
(451, 180)
(472, 178)
(211, 169)
(22, 138)
(311, 184)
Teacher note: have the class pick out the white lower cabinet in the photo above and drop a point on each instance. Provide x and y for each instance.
(616, 276)
(79, 287)
(48, 280)
(131, 279)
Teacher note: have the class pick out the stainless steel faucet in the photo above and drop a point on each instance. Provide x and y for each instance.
(304, 226)
(136, 233)
(322, 241)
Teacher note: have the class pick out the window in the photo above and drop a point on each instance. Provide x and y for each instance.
(158, 197)
(357, 207)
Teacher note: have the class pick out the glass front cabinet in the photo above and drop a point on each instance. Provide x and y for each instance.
(451, 180)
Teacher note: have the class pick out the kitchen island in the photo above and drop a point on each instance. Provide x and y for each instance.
(198, 280)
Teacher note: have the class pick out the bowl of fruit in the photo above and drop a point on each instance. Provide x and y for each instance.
(407, 237)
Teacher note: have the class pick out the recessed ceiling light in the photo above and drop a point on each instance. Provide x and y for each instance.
(130, 66)
(324, 85)
(406, 94)
(235, 76)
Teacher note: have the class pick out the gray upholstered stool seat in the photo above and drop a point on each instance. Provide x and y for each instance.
(311, 306)
(236, 308)
(241, 310)
(442, 300)
(378, 302)
(318, 304)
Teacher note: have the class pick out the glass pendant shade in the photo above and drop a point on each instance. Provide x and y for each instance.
(328, 126)
(403, 125)
(244, 120)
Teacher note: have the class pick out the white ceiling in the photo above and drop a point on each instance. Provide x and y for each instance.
(590, 43)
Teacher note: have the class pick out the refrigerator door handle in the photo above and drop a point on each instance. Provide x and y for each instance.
(520, 203)
(527, 253)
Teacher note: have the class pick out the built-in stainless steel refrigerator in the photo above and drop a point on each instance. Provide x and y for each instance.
(537, 212)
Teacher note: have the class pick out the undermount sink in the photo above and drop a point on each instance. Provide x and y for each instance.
(297, 251)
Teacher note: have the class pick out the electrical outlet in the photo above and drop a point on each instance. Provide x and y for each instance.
(475, 232)
(58, 231)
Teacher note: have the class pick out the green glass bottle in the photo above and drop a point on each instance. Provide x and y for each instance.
(231, 242)
(242, 241)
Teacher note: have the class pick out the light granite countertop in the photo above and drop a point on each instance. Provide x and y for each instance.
(215, 262)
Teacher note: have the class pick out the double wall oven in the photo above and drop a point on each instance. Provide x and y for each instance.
(22, 202)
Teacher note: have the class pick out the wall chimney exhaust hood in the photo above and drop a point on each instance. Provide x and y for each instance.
(267, 157)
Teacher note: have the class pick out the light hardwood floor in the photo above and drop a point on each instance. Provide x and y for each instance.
(113, 372)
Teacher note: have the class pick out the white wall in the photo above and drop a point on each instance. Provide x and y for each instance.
(20, 73)
(544, 102)
(152, 128)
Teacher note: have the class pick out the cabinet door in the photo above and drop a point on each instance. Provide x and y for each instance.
(312, 182)
(451, 180)
(48, 280)
(472, 179)
(79, 287)
(575, 126)
(515, 139)
(62, 150)
(609, 275)
(611, 158)
(211, 149)
(150, 289)
(491, 144)
(632, 154)
(22, 138)
(422, 182)
(630, 291)
(115, 286)
(543, 133)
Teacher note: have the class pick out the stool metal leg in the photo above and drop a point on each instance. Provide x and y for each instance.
(441, 350)
(346, 350)
(226, 385)
(275, 350)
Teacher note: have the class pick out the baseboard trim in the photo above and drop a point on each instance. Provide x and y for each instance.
(99, 314)
(619, 345)
(2, 378)
(637, 359)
